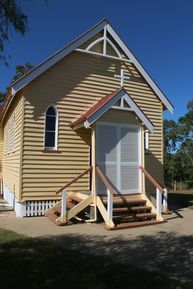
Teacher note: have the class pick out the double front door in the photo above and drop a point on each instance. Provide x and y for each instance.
(118, 156)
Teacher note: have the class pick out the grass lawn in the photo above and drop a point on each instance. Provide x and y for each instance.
(33, 263)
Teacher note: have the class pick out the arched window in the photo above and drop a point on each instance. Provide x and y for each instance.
(51, 128)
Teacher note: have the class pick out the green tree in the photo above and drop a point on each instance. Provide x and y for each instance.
(185, 133)
(170, 135)
(20, 70)
(178, 152)
(2, 96)
(12, 18)
(170, 146)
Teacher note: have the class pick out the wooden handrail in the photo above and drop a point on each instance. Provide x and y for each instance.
(152, 180)
(74, 180)
(104, 179)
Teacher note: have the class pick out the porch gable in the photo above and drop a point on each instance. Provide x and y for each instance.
(110, 101)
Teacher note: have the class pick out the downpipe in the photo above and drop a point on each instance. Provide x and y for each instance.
(95, 216)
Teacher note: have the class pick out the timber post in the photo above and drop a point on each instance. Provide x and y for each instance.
(63, 207)
(93, 172)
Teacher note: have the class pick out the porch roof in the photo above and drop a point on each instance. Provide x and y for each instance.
(88, 117)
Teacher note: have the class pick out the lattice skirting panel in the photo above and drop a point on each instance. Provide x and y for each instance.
(27, 208)
(37, 208)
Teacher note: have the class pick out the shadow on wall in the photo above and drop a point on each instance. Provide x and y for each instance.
(81, 261)
(64, 78)
(156, 169)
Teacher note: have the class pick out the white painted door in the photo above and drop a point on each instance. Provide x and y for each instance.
(118, 155)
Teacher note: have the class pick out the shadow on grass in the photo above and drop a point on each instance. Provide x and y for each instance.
(77, 261)
(180, 199)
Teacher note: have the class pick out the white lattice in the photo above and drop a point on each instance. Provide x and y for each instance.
(37, 208)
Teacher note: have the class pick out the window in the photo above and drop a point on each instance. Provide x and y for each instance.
(51, 128)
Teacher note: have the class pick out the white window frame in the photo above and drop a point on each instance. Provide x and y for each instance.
(56, 129)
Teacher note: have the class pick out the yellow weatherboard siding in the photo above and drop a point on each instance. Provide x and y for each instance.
(12, 148)
(73, 85)
(118, 116)
(1, 150)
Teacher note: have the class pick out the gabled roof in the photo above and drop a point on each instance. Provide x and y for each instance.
(53, 59)
(104, 104)
(103, 24)
(74, 45)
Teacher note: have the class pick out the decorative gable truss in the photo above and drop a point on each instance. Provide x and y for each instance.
(107, 49)
(108, 39)
(122, 104)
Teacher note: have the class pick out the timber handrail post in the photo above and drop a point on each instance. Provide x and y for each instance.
(158, 203)
(109, 205)
(165, 201)
(110, 193)
(63, 207)
(160, 192)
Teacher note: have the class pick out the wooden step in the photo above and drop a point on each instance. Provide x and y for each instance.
(125, 202)
(75, 198)
(53, 217)
(70, 205)
(133, 217)
(57, 208)
(134, 225)
(130, 209)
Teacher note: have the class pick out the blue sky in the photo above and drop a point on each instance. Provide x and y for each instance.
(159, 32)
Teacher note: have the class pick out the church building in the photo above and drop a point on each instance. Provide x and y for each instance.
(82, 136)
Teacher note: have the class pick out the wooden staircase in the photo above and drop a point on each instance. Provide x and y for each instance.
(72, 204)
(130, 211)
(118, 211)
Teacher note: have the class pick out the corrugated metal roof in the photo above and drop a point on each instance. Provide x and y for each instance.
(95, 107)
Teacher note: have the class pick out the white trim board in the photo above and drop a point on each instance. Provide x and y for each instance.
(140, 68)
(104, 24)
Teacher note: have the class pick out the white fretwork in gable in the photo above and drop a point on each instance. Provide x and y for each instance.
(105, 40)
